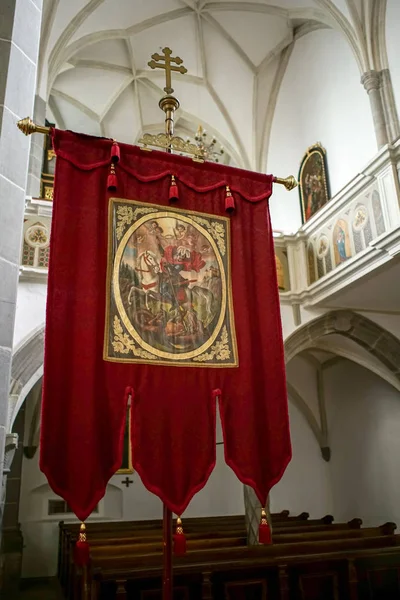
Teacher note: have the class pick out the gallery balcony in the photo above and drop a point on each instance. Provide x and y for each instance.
(327, 263)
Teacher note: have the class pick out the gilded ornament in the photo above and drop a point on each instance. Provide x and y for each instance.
(219, 351)
(126, 215)
(124, 344)
(164, 140)
(48, 193)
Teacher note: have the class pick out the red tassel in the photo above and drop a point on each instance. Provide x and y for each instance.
(82, 548)
(179, 539)
(173, 190)
(115, 152)
(128, 395)
(229, 201)
(264, 530)
(112, 180)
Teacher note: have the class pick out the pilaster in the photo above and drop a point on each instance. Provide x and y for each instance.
(20, 22)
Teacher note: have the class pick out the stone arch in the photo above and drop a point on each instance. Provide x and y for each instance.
(379, 342)
(378, 34)
(26, 370)
(370, 336)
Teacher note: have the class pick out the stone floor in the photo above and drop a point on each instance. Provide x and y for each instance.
(40, 590)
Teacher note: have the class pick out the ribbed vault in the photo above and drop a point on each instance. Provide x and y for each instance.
(94, 54)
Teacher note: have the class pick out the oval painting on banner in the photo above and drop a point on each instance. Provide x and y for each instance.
(169, 287)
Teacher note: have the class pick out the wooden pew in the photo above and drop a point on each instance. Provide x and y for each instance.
(280, 557)
(107, 536)
(332, 534)
(103, 530)
(115, 557)
(234, 525)
(209, 549)
(344, 573)
(71, 530)
(296, 528)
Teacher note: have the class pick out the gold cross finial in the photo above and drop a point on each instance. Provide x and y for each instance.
(166, 63)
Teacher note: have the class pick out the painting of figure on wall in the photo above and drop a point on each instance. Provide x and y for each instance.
(341, 242)
(313, 181)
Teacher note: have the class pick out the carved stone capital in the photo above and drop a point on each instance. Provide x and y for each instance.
(371, 80)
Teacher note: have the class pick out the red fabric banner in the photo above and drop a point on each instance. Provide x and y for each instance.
(177, 301)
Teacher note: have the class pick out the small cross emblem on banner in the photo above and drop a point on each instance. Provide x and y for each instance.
(127, 481)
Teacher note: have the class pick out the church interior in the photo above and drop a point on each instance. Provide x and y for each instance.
(309, 88)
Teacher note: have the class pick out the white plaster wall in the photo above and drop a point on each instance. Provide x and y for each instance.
(393, 45)
(364, 428)
(31, 309)
(223, 495)
(321, 100)
(305, 485)
(287, 320)
(303, 377)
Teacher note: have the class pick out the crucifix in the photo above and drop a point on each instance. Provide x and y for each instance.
(127, 481)
(166, 62)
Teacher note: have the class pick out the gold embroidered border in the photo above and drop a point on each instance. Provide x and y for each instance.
(125, 216)
(124, 344)
(219, 351)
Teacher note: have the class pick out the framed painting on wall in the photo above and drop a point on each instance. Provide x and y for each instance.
(313, 181)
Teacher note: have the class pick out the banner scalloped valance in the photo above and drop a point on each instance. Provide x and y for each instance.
(187, 175)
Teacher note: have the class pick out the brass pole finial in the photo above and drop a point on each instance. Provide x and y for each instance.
(27, 126)
(289, 182)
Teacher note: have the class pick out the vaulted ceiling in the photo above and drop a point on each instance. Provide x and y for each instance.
(94, 55)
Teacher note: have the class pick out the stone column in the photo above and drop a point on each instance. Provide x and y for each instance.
(389, 103)
(20, 22)
(36, 153)
(372, 83)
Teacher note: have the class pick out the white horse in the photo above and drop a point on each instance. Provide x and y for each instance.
(148, 270)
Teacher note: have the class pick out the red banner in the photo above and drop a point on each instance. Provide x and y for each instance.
(168, 299)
